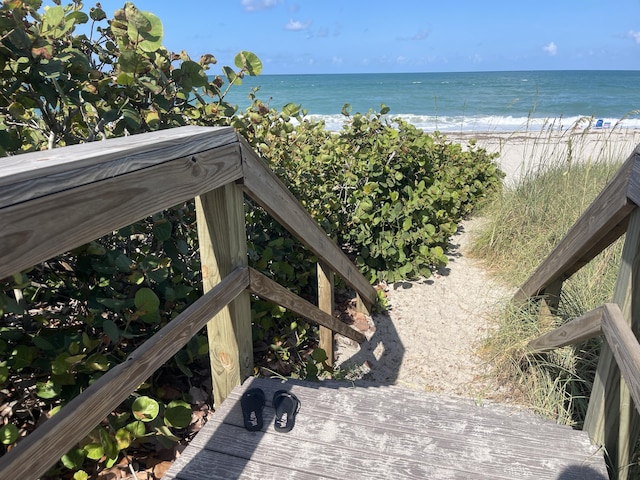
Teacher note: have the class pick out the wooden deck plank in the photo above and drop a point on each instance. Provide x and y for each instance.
(389, 432)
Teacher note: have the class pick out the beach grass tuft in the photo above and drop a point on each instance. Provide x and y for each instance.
(519, 230)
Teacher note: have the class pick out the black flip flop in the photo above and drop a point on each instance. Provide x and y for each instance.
(252, 403)
(286, 406)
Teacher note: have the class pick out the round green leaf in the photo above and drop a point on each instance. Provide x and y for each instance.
(80, 475)
(145, 409)
(248, 62)
(146, 30)
(146, 301)
(162, 230)
(319, 355)
(8, 434)
(94, 451)
(74, 458)
(137, 429)
(123, 438)
(97, 362)
(177, 414)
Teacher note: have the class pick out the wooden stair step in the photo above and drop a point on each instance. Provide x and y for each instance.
(369, 431)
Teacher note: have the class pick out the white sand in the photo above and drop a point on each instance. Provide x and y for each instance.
(428, 338)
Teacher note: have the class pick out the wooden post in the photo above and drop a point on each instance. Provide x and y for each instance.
(325, 303)
(611, 418)
(223, 247)
(551, 297)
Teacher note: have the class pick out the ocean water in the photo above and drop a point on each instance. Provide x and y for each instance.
(473, 101)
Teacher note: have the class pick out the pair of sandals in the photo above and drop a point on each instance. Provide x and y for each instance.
(286, 405)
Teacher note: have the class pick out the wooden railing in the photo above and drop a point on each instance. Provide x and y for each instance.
(611, 420)
(53, 201)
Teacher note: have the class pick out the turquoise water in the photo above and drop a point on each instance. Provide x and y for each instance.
(474, 101)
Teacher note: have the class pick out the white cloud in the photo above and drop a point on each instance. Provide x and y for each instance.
(296, 25)
(635, 35)
(421, 35)
(255, 5)
(401, 59)
(337, 60)
(551, 48)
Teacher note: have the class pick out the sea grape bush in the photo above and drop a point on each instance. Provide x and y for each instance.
(388, 193)
(69, 320)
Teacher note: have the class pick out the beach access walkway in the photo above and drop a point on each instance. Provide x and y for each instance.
(348, 430)
(54, 201)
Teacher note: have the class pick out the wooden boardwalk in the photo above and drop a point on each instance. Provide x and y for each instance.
(366, 431)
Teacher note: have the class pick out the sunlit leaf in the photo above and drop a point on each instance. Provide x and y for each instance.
(9, 433)
(145, 408)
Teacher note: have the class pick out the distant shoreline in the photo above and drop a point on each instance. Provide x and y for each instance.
(522, 152)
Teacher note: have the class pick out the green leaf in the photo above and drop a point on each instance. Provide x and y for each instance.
(9, 433)
(42, 343)
(22, 357)
(248, 62)
(147, 304)
(97, 362)
(123, 263)
(145, 409)
(177, 414)
(162, 230)
(80, 475)
(97, 14)
(74, 458)
(94, 450)
(165, 432)
(144, 29)
(123, 438)
(47, 390)
(136, 428)
(319, 355)
(111, 330)
(53, 18)
(4, 374)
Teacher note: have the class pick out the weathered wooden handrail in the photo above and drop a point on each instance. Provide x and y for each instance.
(625, 348)
(604, 221)
(611, 419)
(53, 201)
(577, 330)
(33, 455)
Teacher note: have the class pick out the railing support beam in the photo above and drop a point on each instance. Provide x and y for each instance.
(611, 418)
(325, 303)
(223, 247)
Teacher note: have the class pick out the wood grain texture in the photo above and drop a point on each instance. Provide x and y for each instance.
(599, 226)
(625, 348)
(577, 330)
(32, 175)
(325, 303)
(39, 229)
(262, 185)
(374, 431)
(611, 419)
(272, 291)
(223, 247)
(39, 451)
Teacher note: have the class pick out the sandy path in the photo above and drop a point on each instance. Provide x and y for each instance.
(429, 337)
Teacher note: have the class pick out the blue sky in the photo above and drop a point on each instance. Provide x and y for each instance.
(354, 36)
